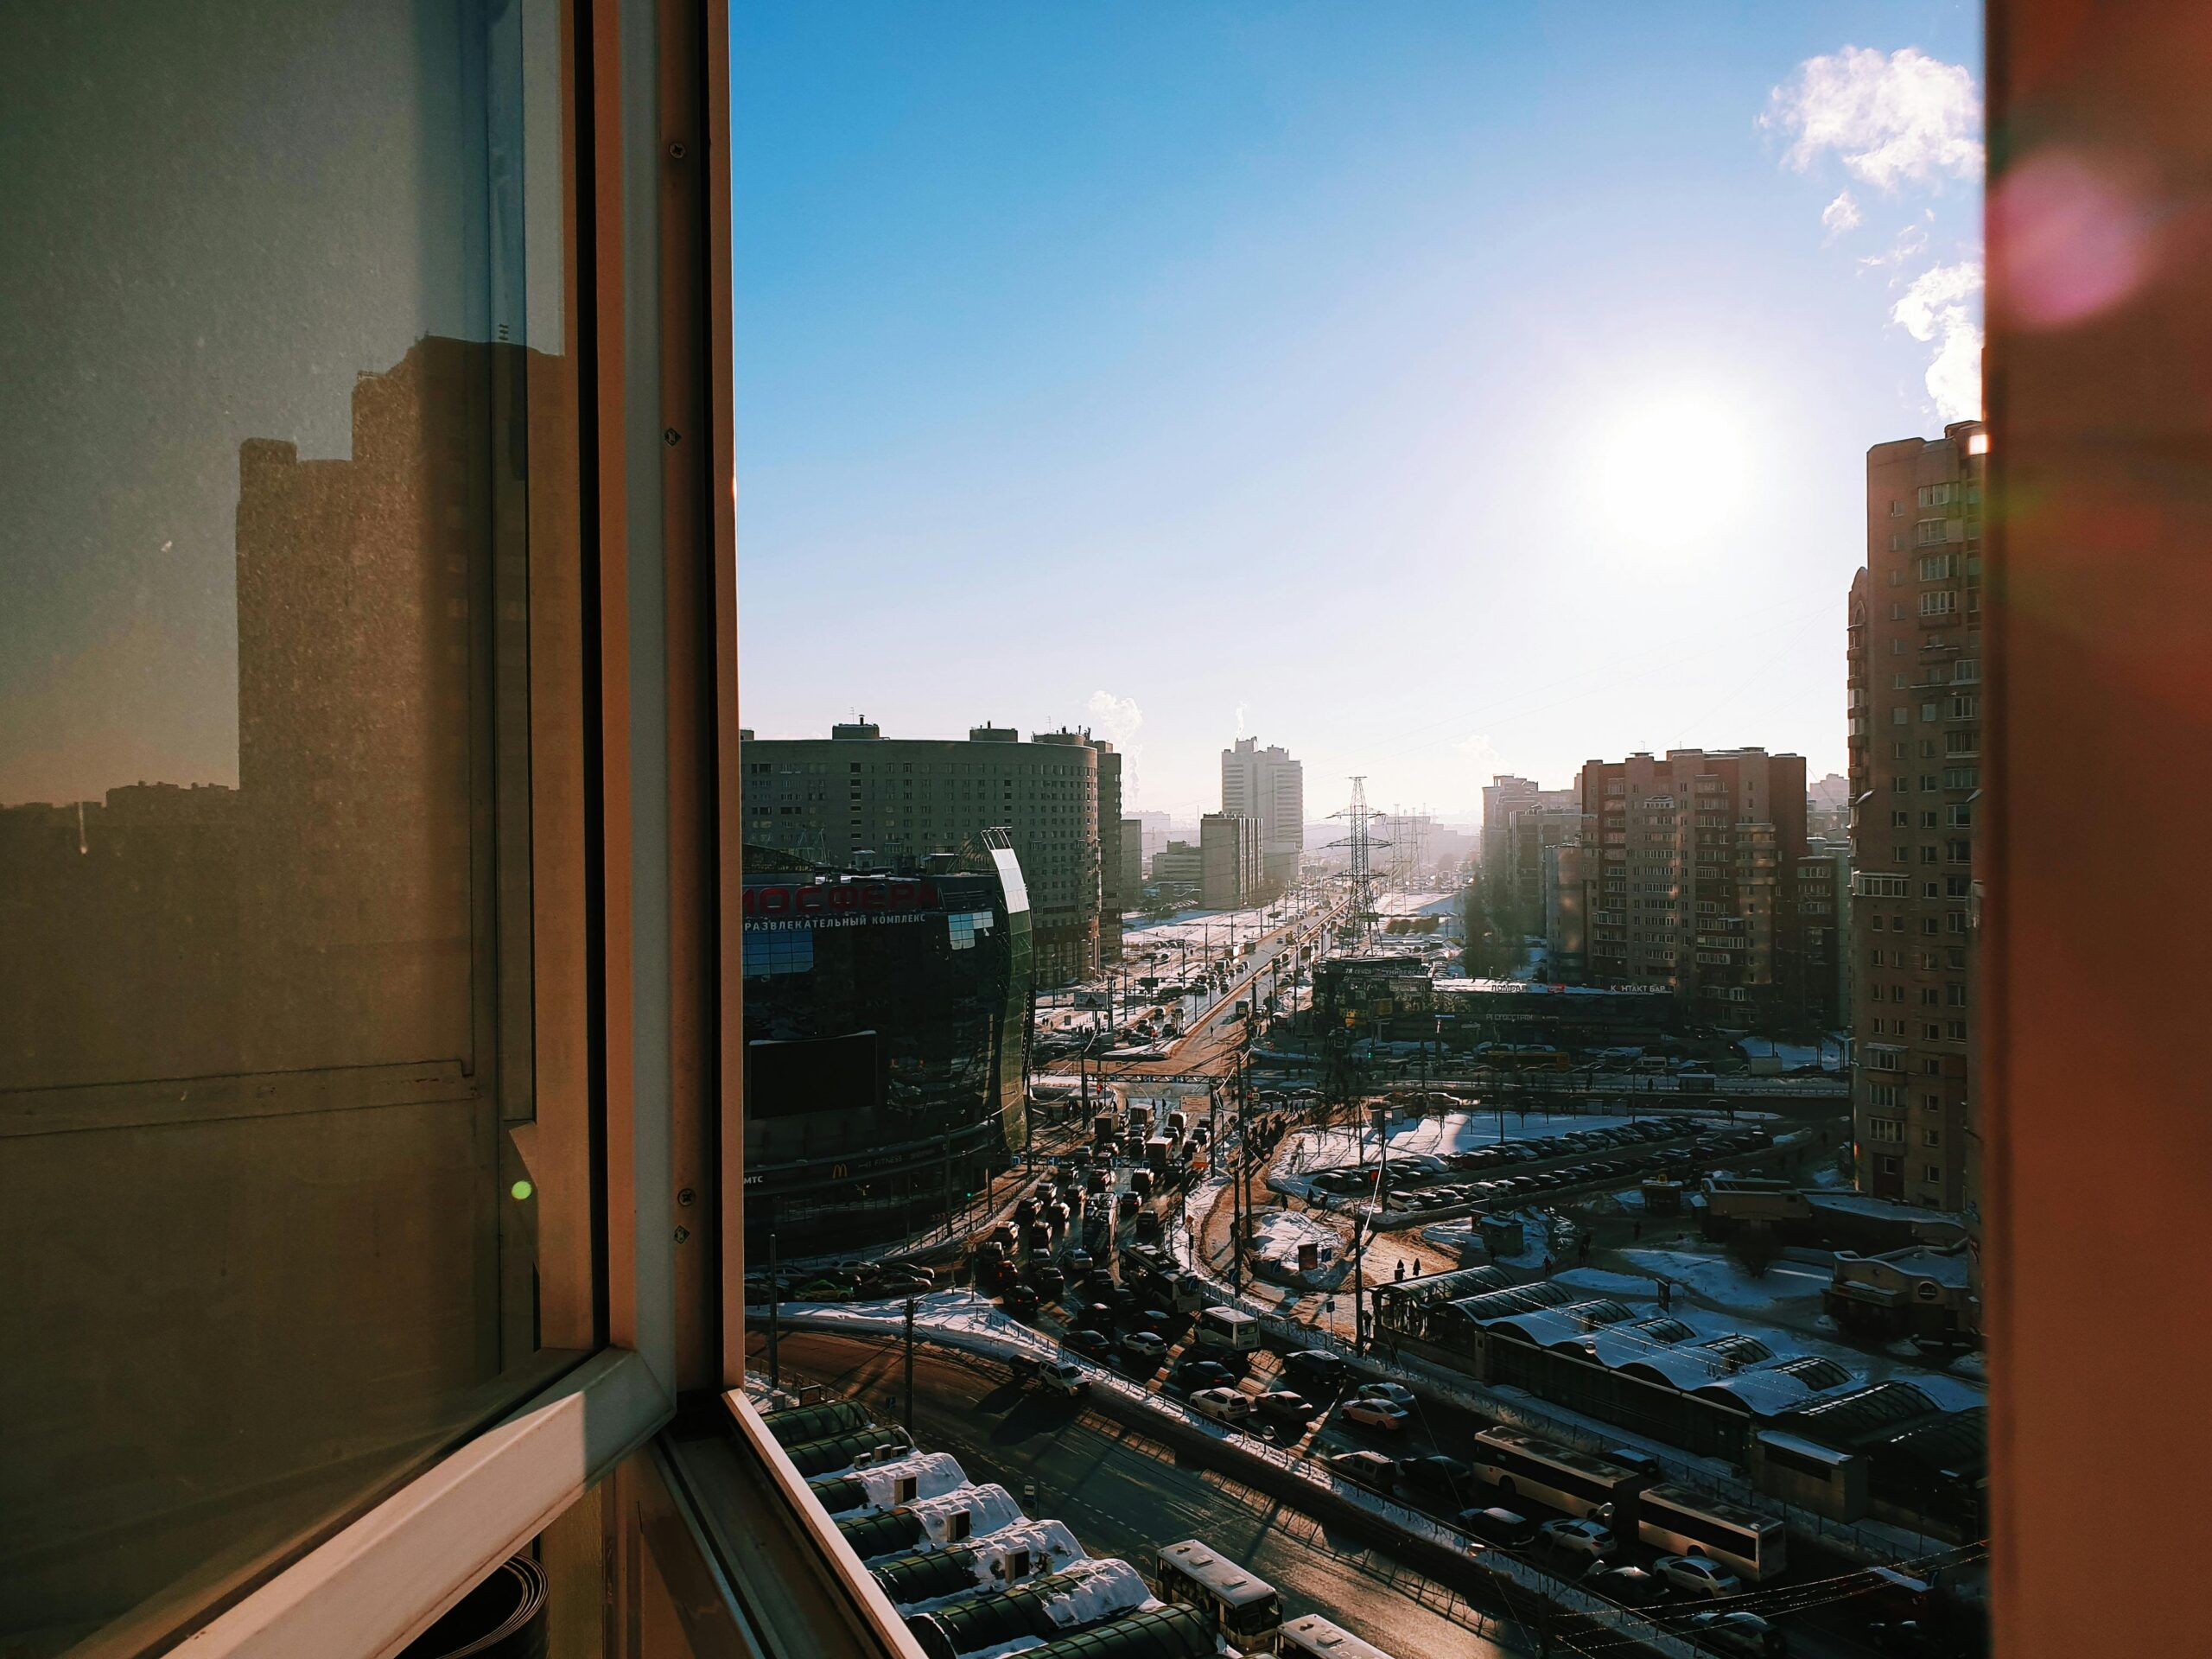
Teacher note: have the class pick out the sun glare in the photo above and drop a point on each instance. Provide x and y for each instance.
(1671, 473)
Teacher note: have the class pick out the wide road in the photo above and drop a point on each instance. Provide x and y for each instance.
(1125, 1494)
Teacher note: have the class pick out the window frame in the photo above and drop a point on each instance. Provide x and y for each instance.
(650, 251)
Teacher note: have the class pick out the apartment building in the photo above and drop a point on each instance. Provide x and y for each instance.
(1510, 862)
(1269, 785)
(859, 800)
(1692, 885)
(1115, 893)
(1231, 855)
(1914, 698)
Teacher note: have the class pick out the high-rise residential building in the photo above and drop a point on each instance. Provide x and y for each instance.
(1915, 708)
(1827, 807)
(1510, 862)
(857, 800)
(1113, 897)
(1503, 797)
(1178, 870)
(1131, 856)
(1694, 885)
(1267, 785)
(1231, 850)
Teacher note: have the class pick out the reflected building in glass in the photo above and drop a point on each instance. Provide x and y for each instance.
(887, 1024)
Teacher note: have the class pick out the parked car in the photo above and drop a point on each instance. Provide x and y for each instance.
(1194, 1374)
(1695, 1575)
(1503, 1528)
(1020, 1301)
(1315, 1367)
(1144, 1350)
(1223, 1405)
(1089, 1341)
(1369, 1469)
(1745, 1634)
(1586, 1541)
(1632, 1587)
(1369, 1412)
(1437, 1477)
(1396, 1392)
(1045, 1279)
(1286, 1408)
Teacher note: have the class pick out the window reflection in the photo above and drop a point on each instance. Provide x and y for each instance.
(265, 799)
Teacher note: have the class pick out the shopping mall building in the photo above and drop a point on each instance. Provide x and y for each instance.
(887, 1019)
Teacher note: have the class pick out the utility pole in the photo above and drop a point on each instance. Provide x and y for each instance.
(910, 1367)
(1359, 1284)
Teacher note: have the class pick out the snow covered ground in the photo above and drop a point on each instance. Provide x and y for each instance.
(1720, 1281)
(1278, 1236)
(1828, 1056)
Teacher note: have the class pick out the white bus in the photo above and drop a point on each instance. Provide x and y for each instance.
(1226, 1327)
(1516, 1462)
(1311, 1637)
(1682, 1522)
(1243, 1608)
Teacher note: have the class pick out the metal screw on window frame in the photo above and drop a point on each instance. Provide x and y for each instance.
(676, 152)
(686, 1196)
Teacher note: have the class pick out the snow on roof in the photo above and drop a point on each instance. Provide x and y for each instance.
(1944, 1267)
(987, 1509)
(932, 1472)
(1803, 1447)
(1089, 1591)
(1050, 1540)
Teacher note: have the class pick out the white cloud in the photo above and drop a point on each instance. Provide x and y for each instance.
(1939, 306)
(1904, 117)
(1840, 215)
(1911, 241)
(1118, 718)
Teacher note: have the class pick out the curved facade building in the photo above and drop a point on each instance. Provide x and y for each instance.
(885, 1024)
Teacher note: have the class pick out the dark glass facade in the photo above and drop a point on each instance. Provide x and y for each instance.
(886, 1024)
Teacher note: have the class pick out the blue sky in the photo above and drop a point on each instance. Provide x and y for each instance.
(1434, 389)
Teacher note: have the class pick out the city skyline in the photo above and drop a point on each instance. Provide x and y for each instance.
(1371, 349)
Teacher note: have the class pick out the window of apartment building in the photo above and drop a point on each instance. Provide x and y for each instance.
(1889, 1164)
(1884, 1128)
(1938, 567)
(1940, 602)
(1966, 705)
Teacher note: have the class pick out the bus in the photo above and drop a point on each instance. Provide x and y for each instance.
(1683, 1522)
(1514, 1462)
(1243, 1608)
(1311, 1637)
(1227, 1327)
(1158, 1153)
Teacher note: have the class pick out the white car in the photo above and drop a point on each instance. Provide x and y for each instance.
(1697, 1576)
(1396, 1392)
(1223, 1405)
(1374, 1413)
(1592, 1541)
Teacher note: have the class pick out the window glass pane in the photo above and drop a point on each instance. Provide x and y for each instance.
(278, 463)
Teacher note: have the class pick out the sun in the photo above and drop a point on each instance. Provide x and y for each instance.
(1671, 471)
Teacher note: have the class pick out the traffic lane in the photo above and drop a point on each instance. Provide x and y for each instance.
(1825, 1629)
(1126, 1495)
